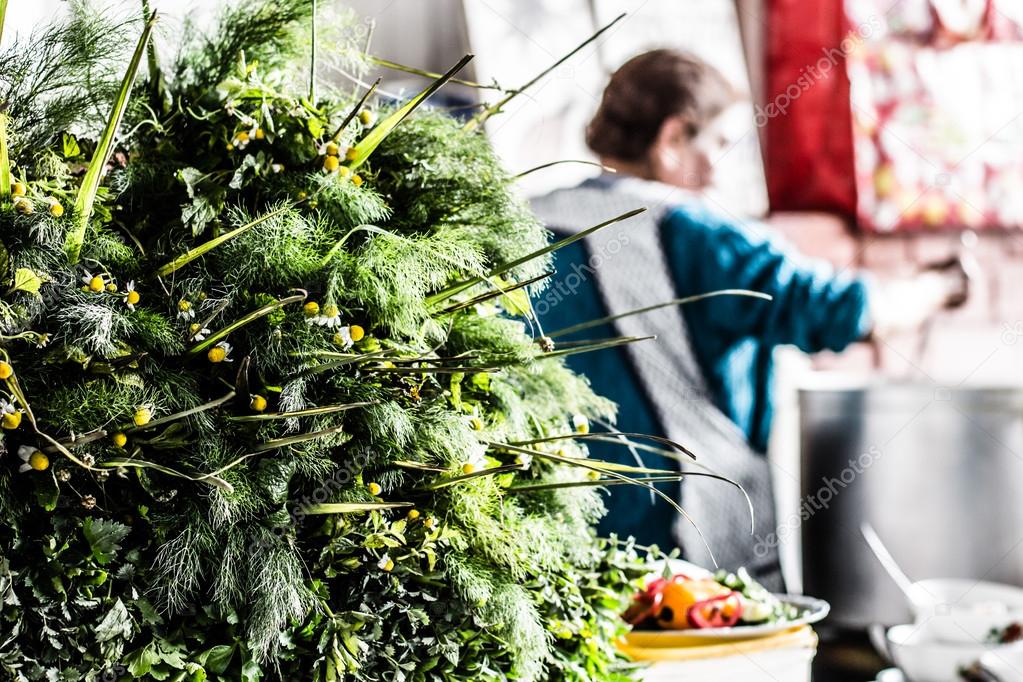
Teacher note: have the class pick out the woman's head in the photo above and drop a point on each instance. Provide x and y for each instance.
(658, 116)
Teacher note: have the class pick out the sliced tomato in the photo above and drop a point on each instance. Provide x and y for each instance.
(717, 612)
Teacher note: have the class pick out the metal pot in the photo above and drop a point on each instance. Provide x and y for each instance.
(937, 471)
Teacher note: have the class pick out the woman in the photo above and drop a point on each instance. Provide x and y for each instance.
(706, 380)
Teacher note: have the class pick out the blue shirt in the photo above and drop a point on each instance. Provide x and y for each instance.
(732, 337)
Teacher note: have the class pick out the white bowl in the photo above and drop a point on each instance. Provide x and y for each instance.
(922, 658)
(1005, 662)
(965, 611)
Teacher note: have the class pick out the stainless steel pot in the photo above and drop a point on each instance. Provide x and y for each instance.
(937, 471)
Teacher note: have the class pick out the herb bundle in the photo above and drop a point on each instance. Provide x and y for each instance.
(272, 405)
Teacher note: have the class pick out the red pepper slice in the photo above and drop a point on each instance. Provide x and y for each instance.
(716, 612)
(647, 602)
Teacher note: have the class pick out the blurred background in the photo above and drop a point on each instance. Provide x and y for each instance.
(877, 134)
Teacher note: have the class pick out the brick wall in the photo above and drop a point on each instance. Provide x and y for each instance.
(980, 343)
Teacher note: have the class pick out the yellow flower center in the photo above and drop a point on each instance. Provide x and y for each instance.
(96, 284)
(330, 310)
(11, 420)
(111, 287)
(331, 164)
(344, 171)
(217, 354)
(429, 522)
(56, 210)
(6, 370)
(119, 439)
(260, 134)
(19, 189)
(593, 475)
(133, 297)
(357, 180)
(388, 566)
(311, 309)
(468, 468)
(413, 514)
(351, 153)
(142, 416)
(242, 137)
(367, 117)
(356, 332)
(331, 149)
(39, 461)
(374, 489)
(258, 403)
(184, 306)
(23, 206)
(476, 423)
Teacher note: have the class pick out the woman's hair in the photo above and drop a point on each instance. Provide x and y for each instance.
(645, 91)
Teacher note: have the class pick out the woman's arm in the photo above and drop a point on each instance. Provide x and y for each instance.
(813, 307)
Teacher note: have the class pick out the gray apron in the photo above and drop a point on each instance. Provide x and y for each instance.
(631, 271)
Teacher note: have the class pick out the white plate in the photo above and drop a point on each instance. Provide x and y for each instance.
(890, 675)
(814, 610)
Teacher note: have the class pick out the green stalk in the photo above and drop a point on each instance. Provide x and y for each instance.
(459, 287)
(600, 482)
(482, 298)
(310, 412)
(604, 468)
(90, 183)
(370, 142)
(606, 169)
(3, 15)
(186, 258)
(295, 440)
(481, 118)
(388, 64)
(595, 436)
(5, 155)
(242, 321)
(312, 58)
(492, 471)
(353, 507)
(639, 311)
(591, 347)
(181, 415)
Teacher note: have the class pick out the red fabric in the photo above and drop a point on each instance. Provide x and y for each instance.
(807, 113)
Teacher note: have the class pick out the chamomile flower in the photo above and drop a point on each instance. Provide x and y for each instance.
(143, 415)
(581, 424)
(478, 462)
(374, 489)
(241, 139)
(11, 415)
(386, 564)
(186, 311)
(33, 459)
(19, 189)
(311, 309)
(329, 148)
(331, 164)
(131, 297)
(367, 117)
(220, 353)
(6, 370)
(94, 283)
(347, 336)
(198, 332)
(257, 403)
(329, 316)
(524, 460)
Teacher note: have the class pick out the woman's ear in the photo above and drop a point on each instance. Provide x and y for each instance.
(674, 132)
